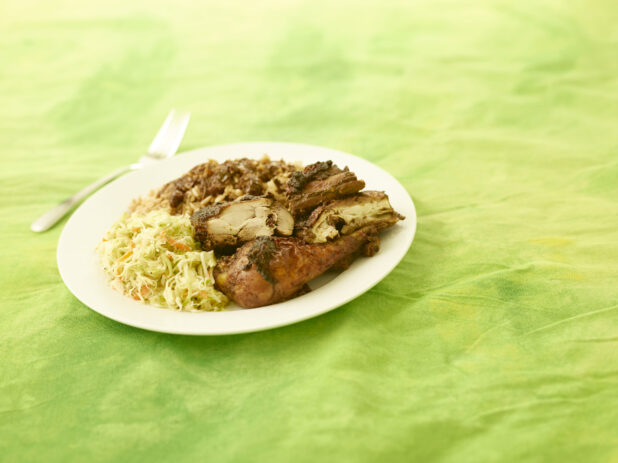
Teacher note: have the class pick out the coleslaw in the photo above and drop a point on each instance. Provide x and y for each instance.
(154, 259)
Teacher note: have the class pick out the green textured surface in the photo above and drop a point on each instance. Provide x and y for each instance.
(495, 339)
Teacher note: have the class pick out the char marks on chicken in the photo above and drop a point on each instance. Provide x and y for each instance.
(270, 269)
(318, 183)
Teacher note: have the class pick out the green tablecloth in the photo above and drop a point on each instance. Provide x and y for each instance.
(495, 339)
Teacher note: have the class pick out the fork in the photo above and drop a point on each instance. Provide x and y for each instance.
(163, 146)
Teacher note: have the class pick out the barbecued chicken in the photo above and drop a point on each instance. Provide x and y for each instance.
(225, 226)
(273, 269)
(318, 183)
(344, 216)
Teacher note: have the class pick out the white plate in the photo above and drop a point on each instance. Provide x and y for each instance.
(80, 270)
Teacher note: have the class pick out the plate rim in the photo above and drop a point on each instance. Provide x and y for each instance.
(146, 325)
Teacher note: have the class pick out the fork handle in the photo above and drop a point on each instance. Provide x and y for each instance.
(53, 216)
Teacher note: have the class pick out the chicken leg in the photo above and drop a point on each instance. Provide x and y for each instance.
(272, 269)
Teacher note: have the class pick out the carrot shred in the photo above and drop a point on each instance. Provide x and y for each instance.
(175, 244)
(179, 245)
(144, 291)
(126, 256)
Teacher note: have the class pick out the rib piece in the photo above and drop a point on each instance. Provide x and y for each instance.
(225, 226)
(317, 183)
(273, 269)
(344, 216)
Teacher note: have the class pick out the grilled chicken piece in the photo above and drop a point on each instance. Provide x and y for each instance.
(318, 183)
(344, 216)
(273, 269)
(225, 226)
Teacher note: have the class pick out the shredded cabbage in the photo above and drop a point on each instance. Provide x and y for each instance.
(154, 259)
